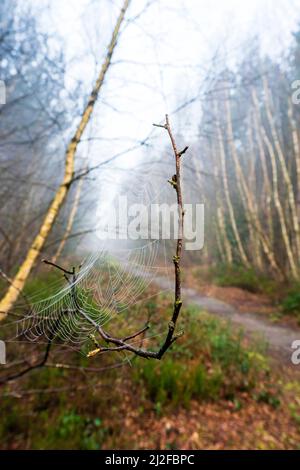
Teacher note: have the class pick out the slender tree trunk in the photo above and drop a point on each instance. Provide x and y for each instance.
(256, 230)
(276, 197)
(223, 235)
(241, 184)
(267, 189)
(222, 238)
(241, 250)
(296, 148)
(220, 245)
(34, 251)
(255, 240)
(70, 222)
(286, 176)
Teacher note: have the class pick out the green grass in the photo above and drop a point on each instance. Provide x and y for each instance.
(73, 430)
(285, 295)
(209, 363)
(238, 276)
(44, 285)
(66, 429)
(290, 305)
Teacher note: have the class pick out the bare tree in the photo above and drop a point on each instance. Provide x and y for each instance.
(112, 343)
(24, 270)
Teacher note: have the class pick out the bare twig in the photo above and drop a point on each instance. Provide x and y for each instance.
(12, 294)
(57, 266)
(122, 344)
(39, 364)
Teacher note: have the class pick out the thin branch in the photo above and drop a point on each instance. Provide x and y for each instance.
(57, 266)
(122, 344)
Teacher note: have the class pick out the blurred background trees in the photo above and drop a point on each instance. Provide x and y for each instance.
(245, 162)
(227, 84)
(34, 125)
(250, 142)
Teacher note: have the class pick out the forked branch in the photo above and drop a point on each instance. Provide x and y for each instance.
(123, 344)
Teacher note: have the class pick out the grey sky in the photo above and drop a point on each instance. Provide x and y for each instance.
(166, 52)
(161, 61)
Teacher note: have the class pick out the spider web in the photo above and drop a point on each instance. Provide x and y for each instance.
(105, 288)
(108, 282)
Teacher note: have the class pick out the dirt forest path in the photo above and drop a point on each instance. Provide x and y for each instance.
(278, 338)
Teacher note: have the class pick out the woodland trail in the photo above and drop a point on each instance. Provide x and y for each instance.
(278, 338)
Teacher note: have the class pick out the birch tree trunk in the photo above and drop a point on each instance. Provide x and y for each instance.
(22, 275)
(249, 202)
(255, 240)
(221, 235)
(276, 197)
(70, 222)
(286, 176)
(241, 184)
(296, 148)
(267, 189)
(241, 250)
